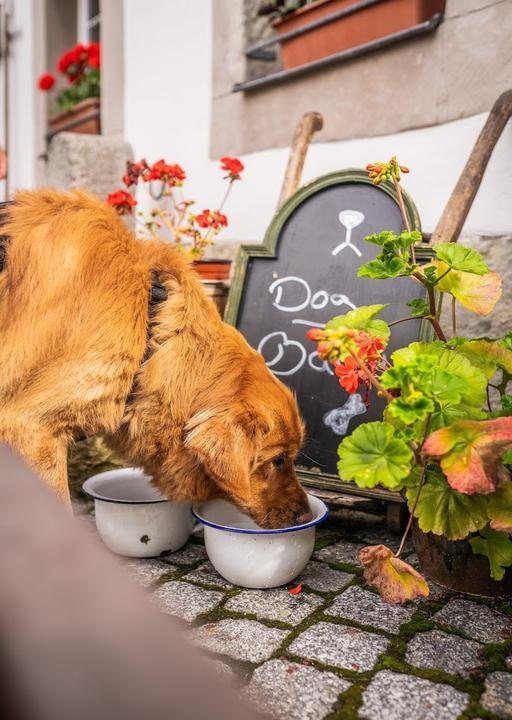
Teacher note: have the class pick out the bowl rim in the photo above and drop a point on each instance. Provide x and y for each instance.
(262, 531)
(88, 487)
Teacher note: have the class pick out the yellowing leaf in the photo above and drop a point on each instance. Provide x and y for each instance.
(395, 580)
(471, 452)
(499, 508)
(478, 293)
(444, 511)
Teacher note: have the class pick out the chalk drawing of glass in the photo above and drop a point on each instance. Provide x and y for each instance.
(350, 219)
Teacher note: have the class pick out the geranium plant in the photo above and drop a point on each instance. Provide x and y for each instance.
(446, 435)
(80, 66)
(170, 215)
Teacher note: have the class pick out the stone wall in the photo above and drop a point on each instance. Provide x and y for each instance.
(497, 253)
(457, 71)
(90, 162)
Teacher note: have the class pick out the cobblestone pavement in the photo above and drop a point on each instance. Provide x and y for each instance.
(335, 650)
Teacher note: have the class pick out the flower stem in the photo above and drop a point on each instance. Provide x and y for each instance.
(411, 514)
(410, 317)
(403, 211)
(371, 377)
(417, 454)
(454, 318)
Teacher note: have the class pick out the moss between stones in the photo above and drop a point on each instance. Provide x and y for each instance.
(322, 542)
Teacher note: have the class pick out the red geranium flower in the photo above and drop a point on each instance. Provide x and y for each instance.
(370, 346)
(233, 166)
(171, 174)
(122, 202)
(46, 82)
(203, 219)
(218, 220)
(136, 171)
(93, 51)
(348, 374)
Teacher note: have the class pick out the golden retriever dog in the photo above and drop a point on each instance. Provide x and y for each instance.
(183, 396)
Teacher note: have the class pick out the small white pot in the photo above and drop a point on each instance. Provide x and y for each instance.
(254, 557)
(132, 517)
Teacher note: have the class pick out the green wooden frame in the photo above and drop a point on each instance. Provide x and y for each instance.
(267, 249)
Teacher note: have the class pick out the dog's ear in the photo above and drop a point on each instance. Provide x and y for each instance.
(226, 443)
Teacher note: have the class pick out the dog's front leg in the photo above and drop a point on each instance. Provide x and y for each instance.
(48, 456)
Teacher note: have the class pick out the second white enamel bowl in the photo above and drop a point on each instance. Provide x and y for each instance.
(255, 557)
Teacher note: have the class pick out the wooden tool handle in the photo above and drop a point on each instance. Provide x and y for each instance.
(309, 124)
(458, 206)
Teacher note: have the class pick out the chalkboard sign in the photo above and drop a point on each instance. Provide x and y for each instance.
(303, 274)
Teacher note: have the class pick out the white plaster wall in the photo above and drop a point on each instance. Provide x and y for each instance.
(22, 96)
(168, 68)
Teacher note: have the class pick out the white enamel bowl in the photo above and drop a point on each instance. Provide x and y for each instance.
(254, 557)
(132, 517)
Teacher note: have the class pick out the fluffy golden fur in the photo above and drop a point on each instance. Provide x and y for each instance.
(207, 418)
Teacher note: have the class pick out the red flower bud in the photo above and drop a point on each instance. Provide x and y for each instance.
(315, 334)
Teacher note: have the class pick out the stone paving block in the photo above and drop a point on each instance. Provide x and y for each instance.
(442, 651)
(339, 645)
(367, 608)
(340, 552)
(393, 696)
(147, 570)
(436, 591)
(275, 604)
(208, 575)
(497, 697)
(289, 691)
(188, 555)
(186, 601)
(474, 620)
(384, 536)
(319, 576)
(240, 639)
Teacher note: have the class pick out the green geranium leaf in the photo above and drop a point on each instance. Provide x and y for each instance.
(449, 414)
(430, 273)
(411, 407)
(406, 239)
(444, 511)
(403, 241)
(499, 509)
(472, 381)
(381, 238)
(461, 258)
(381, 268)
(506, 404)
(418, 307)
(487, 355)
(372, 455)
(507, 458)
(506, 341)
(497, 548)
(361, 319)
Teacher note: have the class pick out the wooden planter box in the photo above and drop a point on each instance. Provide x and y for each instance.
(84, 117)
(364, 25)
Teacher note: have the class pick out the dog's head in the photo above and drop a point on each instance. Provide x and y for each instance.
(247, 448)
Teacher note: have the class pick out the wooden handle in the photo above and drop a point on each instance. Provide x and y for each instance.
(458, 206)
(310, 123)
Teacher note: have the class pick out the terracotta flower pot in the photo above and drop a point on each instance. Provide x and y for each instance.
(358, 28)
(84, 117)
(213, 269)
(453, 565)
(214, 274)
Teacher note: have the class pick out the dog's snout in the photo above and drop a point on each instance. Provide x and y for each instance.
(303, 517)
